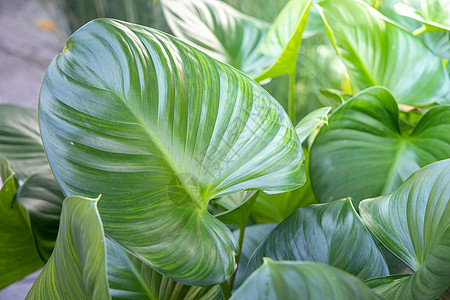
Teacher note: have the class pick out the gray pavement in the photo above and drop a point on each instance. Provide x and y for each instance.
(30, 36)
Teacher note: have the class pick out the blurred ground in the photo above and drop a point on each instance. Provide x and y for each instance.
(29, 39)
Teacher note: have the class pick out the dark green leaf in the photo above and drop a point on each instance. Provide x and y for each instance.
(253, 236)
(414, 223)
(329, 233)
(363, 154)
(42, 198)
(376, 51)
(18, 254)
(20, 141)
(302, 280)
(159, 128)
(77, 267)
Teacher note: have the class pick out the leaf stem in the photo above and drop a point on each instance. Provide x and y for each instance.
(226, 291)
(238, 257)
(291, 99)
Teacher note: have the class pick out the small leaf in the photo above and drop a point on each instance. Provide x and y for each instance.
(414, 223)
(329, 233)
(377, 51)
(77, 267)
(363, 154)
(302, 280)
(20, 141)
(311, 122)
(239, 215)
(18, 254)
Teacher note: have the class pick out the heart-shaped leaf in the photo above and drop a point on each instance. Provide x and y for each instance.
(302, 280)
(42, 198)
(159, 128)
(20, 141)
(376, 51)
(77, 267)
(18, 254)
(414, 223)
(220, 31)
(329, 233)
(363, 154)
(253, 236)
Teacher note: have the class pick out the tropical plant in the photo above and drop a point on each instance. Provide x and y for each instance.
(178, 176)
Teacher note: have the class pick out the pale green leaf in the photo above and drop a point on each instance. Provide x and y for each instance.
(159, 129)
(377, 51)
(311, 122)
(414, 223)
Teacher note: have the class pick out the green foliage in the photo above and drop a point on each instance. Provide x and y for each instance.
(164, 147)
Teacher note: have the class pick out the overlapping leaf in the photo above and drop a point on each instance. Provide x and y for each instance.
(434, 14)
(159, 128)
(20, 141)
(42, 198)
(77, 267)
(376, 51)
(363, 154)
(18, 254)
(329, 233)
(302, 280)
(414, 223)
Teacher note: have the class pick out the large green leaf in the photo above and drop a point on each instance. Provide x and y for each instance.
(220, 31)
(20, 141)
(42, 198)
(77, 267)
(277, 207)
(159, 128)
(363, 154)
(329, 233)
(18, 254)
(130, 278)
(414, 223)
(302, 280)
(284, 38)
(376, 51)
(253, 236)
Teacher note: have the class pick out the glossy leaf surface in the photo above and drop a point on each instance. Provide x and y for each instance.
(329, 233)
(18, 254)
(363, 154)
(302, 280)
(20, 141)
(77, 267)
(414, 223)
(253, 236)
(159, 128)
(42, 198)
(376, 51)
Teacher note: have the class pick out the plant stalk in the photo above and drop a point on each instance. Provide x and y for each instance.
(226, 291)
(238, 257)
(291, 99)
